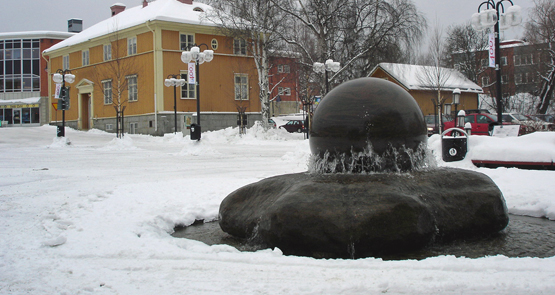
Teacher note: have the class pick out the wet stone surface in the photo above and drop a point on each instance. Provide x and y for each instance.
(523, 237)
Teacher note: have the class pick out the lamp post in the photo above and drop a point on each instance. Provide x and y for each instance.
(194, 56)
(328, 66)
(62, 94)
(307, 107)
(174, 80)
(456, 98)
(500, 18)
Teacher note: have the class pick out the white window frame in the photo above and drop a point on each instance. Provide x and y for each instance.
(65, 62)
(132, 88)
(241, 87)
(133, 126)
(188, 91)
(239, 47)
(132, 46)
(85, 57)
(285, 69)
(284, 91)
(107, 52)
(485, 81)
(518, 78)
(188, 43)
(107, 91)
(504, 60)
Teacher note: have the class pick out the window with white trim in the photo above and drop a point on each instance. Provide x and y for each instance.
(65, 62)
(132, 93)
(107, 90)
(239, 47)
(284, 91)
(504, 60)
(132, 46)
(186, 41)
(188, 91)
(85, 57)
(241, 87)
(485, 81)
(284, 69)
(107, 52)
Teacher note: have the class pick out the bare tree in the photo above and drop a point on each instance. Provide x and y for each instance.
(357, 33)
(252, 23)
(112, 77)
(463, 44)
(540, 30)
(434, 75)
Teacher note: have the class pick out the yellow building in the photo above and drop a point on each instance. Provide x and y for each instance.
(423, 83)
(122, 62)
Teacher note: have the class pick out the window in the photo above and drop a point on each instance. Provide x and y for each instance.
(524, 59)
(188, 91)
(241, 87)
(109, 127)
(504, 60)
(284, 91)
(518, 78)
(484, 62)
(447, 109)
(283, 69)
(214, 44)
(186, 41)
(19, 65)
(132, 46)
(132, 93)
(107, 89)
(65, 62)
(239, 47)
(504, 79)
(485, 81)
(85, 57)
(107, 52)
(133, 127)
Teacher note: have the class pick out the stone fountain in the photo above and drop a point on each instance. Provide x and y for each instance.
(370, 189)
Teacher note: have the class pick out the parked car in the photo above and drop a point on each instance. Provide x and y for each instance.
(482, 123)
(546, 118)
(433, 123)
(528, 124)
(272, 123)
(293, 126)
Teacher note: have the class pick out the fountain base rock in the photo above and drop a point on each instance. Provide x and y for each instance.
(364, 215)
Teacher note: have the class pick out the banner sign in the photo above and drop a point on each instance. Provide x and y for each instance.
(191, 73)
(57, 91)
(491, 45)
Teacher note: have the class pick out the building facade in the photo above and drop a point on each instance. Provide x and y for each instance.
(411, 78)
(23, 78)
(120, 65)
(284, 84)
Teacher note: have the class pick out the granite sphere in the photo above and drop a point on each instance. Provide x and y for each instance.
(366, 125)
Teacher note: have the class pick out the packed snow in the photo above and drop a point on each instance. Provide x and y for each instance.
(92, 214)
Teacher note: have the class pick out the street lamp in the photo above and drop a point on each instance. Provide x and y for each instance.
(500, 18)
(174, 80)
(194, 56)
(62, 94)
(456, 98)
(328, 66)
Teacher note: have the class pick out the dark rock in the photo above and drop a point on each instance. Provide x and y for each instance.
(362, 215)
(365, 117)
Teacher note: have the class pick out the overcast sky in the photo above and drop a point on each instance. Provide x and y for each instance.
(52, 15)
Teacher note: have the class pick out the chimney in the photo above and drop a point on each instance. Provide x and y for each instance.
(190, 2)
(75, 25)
(145, 3)
(117, 8)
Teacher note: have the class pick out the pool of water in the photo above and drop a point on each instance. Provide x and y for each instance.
(523, 237)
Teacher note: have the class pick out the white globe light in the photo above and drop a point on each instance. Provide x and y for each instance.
(201, 58)
(208, 55)
(57, 78)
(195, 52)
(167, 83)
(475, 22)
(335, 66)
(186, 57)
(70, 78)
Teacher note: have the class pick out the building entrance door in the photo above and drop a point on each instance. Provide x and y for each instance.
(16, 117)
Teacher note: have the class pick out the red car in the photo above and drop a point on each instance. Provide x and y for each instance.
(294, 126)
(481, 123)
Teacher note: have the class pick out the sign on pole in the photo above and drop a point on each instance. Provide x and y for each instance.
(58, 89)
(491, 45)
(191, 73)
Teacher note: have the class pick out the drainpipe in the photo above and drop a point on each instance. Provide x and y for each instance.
(155, 75)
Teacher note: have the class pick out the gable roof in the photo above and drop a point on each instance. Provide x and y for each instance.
(163, 10)
(408, 77)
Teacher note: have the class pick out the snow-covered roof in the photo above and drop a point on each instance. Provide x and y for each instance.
(410, 76)
(31, 100)
(163, 10)
(36, 35)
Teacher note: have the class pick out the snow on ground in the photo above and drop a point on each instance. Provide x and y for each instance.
(91, 214)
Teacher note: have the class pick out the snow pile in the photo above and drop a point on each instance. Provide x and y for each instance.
(97, 220)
